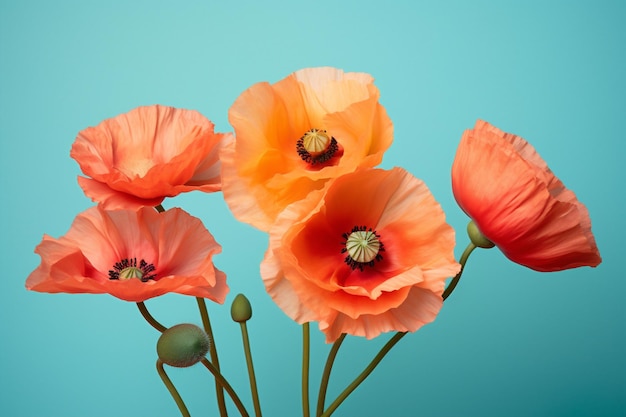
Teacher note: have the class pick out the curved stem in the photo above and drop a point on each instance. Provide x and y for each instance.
(146, 315)
(368, 370)
(206, 323)
(321, 398)
(253, 388)
(306, 343)
(466, 253)
(219, 378)
(172, 389)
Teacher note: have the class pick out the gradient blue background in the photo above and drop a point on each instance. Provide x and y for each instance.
(509, 342)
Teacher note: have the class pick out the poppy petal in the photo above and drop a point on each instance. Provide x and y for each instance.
(307, 272)
(147, 154)
(174, 249)
(526, 211)
(265, 171)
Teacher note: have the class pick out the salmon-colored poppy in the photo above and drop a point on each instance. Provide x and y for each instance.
(132, 255)
(369, 253)
(292, 136)
(152, 152)
(517, 203)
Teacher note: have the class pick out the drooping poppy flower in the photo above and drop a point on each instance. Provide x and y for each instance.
(517, 203)
(132, 255)
(140, 157)
(292, 136)
(369, 253)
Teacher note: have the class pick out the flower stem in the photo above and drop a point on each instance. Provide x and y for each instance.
(321, 398)
(146, 315)
(253, 388)
(466, 253)
(368, 370)
(159, 208)
(172, 389)
(219, 390)
(306, 344)
(219, 378)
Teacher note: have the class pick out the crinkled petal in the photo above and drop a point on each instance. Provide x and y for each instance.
(501, 182)
(421, 307)
(147, 154)
(304, 268)
(263, 172)
(175, 243)
(112, 199)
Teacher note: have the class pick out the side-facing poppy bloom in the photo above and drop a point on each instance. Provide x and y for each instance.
(292, 136)
(369, 253)
(140, 157)
(132, 255)
(517, 203)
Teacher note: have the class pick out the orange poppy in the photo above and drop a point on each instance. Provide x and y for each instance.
(132, 255)
(140, 157)
(517, 203)
(292, 136)
(367, 254)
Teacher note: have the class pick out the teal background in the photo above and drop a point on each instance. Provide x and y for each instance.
(509, 342)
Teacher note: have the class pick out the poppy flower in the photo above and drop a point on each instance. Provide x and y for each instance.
(292, 136)
(517, 203)
(367, 254)
(140, 157)
(132, 255)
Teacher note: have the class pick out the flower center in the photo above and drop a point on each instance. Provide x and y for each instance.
(363, 247)
(127, 269)
(316, 146)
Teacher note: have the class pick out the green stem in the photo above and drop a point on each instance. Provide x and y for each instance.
(306, 343)
(146, 315)
(219, 378)
(466, 253)
(172, 389)
(159, 208)
(321, 398)
(219, 391)
(368, 370)
(253, 388)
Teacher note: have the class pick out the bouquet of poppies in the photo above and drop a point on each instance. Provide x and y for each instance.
(357, 249)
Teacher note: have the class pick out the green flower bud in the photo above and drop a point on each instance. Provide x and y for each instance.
(183, 345)
(241, 310)
(477, 237)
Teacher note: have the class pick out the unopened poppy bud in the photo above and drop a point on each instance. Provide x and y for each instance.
(183, 345)
(241, 310)
(477, 237)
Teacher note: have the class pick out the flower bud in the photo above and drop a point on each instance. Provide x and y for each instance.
(477, 237)
(241, 310)
(183, 345)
